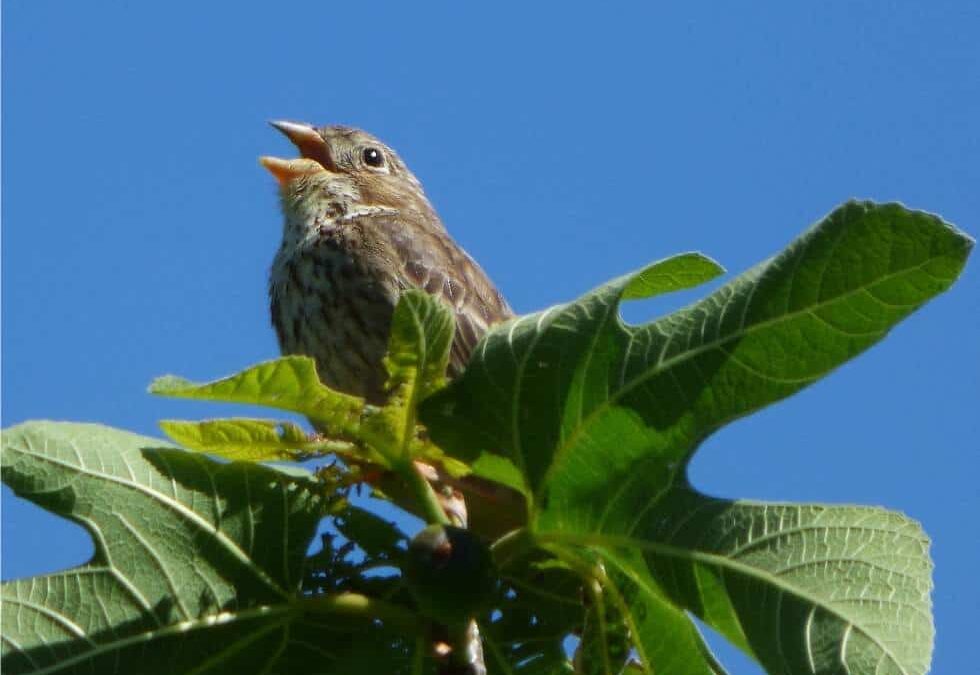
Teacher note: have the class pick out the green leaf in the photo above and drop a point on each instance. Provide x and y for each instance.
(541, 605)
(676, 273)
(197, 564)
(628, 610)
(418, 351)
(559, 389)
(599, 419)
(252, 440)
(802, 588)
(377, 536)
(289, 383)
(241, 439)
(606, 638)
(538, 607)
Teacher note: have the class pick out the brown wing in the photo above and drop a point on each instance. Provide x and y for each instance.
(432, 261)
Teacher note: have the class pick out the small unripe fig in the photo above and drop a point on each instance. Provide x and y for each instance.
(450, 572)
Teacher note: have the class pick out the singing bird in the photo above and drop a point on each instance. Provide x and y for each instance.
(358, 230)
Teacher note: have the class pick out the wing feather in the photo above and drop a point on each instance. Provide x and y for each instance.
(432, 261)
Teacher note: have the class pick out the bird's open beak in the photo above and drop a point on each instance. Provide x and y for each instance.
(306, 139)
(286, 170)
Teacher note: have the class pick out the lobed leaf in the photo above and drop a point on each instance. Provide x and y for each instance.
(422, 330)
(288, 383)
(597, 421)
(573, 391)
(241, 439)
(418, 352)
(802, 588)
(197, 565)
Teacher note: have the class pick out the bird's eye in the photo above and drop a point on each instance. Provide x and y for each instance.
(373, 157)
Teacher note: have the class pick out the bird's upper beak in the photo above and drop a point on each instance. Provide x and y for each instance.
(307, 140)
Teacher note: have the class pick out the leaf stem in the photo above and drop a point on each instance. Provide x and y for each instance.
(424, 494)
(511, 545)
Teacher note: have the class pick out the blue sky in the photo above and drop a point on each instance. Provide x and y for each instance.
(562, 147)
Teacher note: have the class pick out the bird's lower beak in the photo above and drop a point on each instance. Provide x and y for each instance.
(306, 139)
(286, 170)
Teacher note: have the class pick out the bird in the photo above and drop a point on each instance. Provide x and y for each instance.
(358, 230)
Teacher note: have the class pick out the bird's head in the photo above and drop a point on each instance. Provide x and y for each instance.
(342, 173)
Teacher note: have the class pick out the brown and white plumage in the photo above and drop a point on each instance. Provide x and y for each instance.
(358, 231)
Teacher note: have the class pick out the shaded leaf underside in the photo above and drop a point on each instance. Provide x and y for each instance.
(803, 588)
(196, 568)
